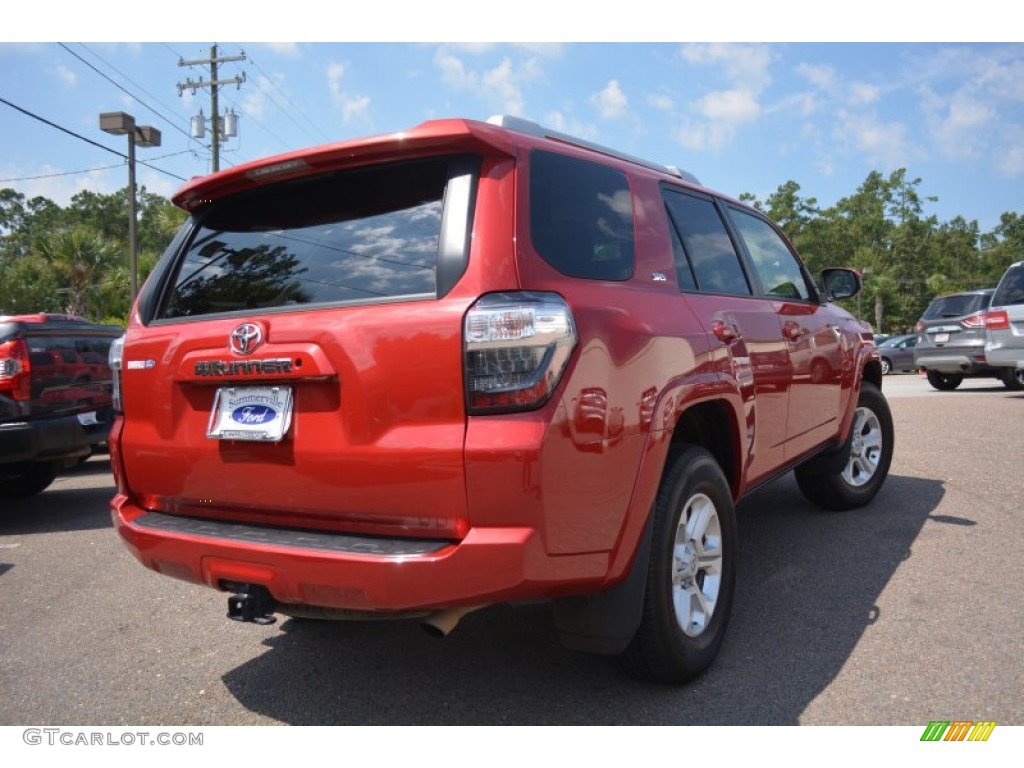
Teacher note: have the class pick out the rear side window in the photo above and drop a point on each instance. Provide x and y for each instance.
(363, 235)
(716, 266)
(1011, 288)
(581, 217)
(956, 306)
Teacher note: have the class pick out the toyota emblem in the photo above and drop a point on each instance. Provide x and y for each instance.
(245, 338)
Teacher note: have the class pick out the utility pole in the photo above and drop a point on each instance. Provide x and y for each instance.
(220, 128)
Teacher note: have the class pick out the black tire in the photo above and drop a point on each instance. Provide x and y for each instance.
(886, 366)
(1013, 379)
(669, 648)
(945, 382)
(852, 478)
(18, 481)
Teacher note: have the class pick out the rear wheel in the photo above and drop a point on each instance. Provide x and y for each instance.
(854, 479)
(945, 382)
(1013, 379)
(691, 577)
(17, 481)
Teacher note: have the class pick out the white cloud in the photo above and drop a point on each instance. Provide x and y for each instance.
(610, 101)
(335, 73)
(864, 93)
(501, 86)
(661, 102)
(746, 65)
(881, 143)
(1010, 160)
(254, 103)
(705, 135)
(503, 82)
(821, 76)
(958, 124)
(290, 50)
(66, 76)
(735, 106)
(354, 107)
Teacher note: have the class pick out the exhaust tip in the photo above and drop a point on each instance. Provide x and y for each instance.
(442, 623)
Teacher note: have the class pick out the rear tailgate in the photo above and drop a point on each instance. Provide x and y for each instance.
(377, 421)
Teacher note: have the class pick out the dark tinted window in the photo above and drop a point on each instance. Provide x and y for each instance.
(956, 306)
(355, 235)
(581, 217)
(707, 243)
(776, 265)
(684, 272)
(1011, 288)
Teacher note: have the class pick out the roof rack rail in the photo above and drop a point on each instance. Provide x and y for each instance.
(530, 128)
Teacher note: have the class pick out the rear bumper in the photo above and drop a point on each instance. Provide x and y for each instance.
(361, 573)
(51, 439)
(954, 361)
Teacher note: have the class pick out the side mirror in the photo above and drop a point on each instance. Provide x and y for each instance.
(841, 283)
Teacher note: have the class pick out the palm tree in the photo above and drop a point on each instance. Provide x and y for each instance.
(82, 260)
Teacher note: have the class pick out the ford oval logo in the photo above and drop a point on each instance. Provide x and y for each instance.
(253, 414)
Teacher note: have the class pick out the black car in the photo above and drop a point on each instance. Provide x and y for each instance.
(55, 396)
(951, 341)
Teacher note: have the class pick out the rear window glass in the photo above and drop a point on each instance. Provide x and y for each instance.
(1011, 288)
(581, 217)
(957, 306)
(360, 235)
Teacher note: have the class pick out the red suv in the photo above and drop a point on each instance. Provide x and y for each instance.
(417, 374)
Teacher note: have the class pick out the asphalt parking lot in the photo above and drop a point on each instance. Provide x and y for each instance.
(901, 613)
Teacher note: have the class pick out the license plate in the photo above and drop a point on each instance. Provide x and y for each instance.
(88, 419)
(941, 338)
(251, 413)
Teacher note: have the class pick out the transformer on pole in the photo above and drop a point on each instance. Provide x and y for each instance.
(221, 127)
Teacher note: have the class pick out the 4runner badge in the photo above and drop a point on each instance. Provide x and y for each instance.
(245, 338)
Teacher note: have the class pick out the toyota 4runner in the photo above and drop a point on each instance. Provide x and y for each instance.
(421, 373)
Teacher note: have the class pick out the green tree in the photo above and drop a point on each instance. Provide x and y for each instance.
(85, 264)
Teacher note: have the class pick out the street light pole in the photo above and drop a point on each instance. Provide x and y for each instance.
(119, 124)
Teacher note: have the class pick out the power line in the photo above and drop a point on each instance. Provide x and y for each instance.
(290, 102)
(88, 170)
(137, 85)
(65, 173)
(125, 90)
(83, 138)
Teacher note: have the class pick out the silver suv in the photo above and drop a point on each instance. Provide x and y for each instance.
(1004, 325)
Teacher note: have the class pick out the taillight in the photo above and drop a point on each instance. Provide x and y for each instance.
(974, 321)
(997, 320)
(114, 358)
(15, 370)
(515, 348)
(919, 328)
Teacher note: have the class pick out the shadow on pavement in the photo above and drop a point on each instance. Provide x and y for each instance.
(58, 509)
(807, 589)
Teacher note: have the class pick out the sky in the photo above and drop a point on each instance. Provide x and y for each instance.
(744, 117)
